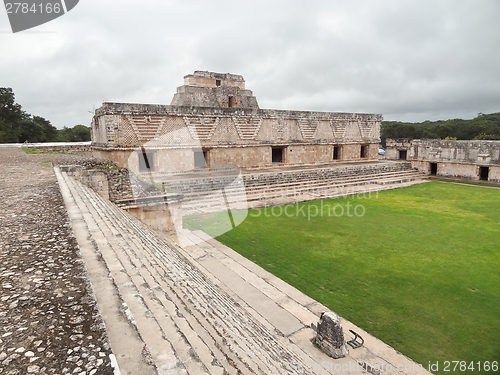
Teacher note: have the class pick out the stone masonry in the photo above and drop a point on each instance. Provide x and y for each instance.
(474, 160)
(330, 335)
(213, 119)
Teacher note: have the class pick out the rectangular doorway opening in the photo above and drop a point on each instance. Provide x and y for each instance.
(484, 173)
(277, 155)
(364, 152)
(200, 159)
(230, 102)
(146, 161)
(434, 169)
(402, 154)
(336, 153)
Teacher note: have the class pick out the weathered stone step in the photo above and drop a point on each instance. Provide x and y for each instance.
(221, 324)
(125, 340)
(195, 185)
(181, 327)
(313, 184)
(256, 347)
(134, 305)
(185, 183)
(317, 188)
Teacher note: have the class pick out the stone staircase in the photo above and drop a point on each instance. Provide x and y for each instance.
(201, 309)
(255, 195)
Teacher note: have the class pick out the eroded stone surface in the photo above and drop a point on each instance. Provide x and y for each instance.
(46, 305)
(330, 336)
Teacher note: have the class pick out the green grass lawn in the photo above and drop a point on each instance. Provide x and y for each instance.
(420, 269)
(43, 151)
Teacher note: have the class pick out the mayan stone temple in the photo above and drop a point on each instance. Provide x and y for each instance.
(226, 125)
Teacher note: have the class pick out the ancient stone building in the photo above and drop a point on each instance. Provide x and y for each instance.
(213, 118)
(475, 160)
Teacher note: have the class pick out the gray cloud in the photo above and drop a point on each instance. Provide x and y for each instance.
(411, 60)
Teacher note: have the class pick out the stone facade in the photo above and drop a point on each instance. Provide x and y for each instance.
(214, 119)
(474, 160)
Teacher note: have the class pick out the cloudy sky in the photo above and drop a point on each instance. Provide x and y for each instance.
(409, 60)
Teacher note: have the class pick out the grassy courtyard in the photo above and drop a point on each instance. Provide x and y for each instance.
(420, 269)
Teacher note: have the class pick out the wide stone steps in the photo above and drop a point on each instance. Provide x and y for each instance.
(188, 324)
(379, 178)
(294, 192)
(193, 182)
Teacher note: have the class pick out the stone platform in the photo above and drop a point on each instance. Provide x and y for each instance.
(201, 308)
(264, 187)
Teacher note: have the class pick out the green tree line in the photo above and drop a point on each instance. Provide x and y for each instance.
(18, 126)
(483, 127)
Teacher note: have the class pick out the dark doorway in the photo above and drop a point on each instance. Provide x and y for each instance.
(364, 152)
(434, 169)
(483, 173)
(402, 154)
(336, 153)
(146, 161)
(277, 155)
(230, 102)
(217, 82)
(200, 159)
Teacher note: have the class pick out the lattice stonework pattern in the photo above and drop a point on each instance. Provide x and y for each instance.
(247, 126)
(365, 128)
(339, 127)
(146, 127)
(127, 132)
(201, 128)
(308, 127)
(175, 132)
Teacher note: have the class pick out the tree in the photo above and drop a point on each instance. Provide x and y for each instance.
(484, 126)
(490, 137)
(49, 131)
(11, 116)
(79, 133)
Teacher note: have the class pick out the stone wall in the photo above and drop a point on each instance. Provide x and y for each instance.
(163, 216)
(131, 125)
(227, 133)
(97, 180)
(447, 158)
(394, 146)
(214, 113)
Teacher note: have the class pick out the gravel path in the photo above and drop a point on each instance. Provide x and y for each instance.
(49, 322)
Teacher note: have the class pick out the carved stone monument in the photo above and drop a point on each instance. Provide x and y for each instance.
(330, 336)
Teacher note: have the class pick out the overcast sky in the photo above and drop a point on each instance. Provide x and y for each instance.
(409, 60)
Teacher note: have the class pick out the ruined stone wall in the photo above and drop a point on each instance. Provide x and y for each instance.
(393, 146)
(120, 128)
(494, 174)
(432, 150)
(215, 114)
(163, 217)
(119, 156)
(459, 159)
(243, 157)
(131, 125)
(305, 154)
(470, 152)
